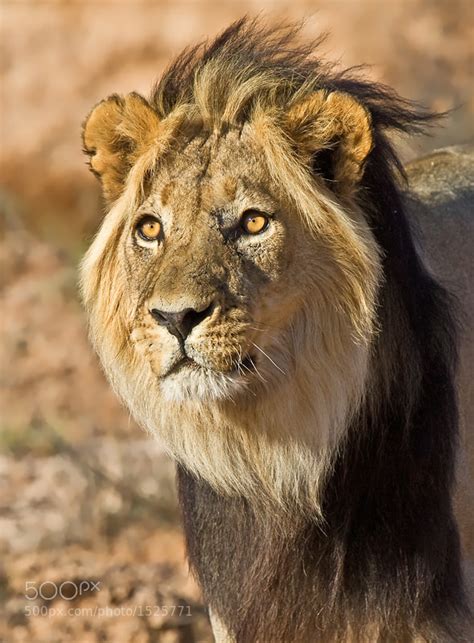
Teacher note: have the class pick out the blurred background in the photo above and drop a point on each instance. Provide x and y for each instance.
(85, 497)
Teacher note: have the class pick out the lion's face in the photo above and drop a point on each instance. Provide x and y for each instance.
(215, 293)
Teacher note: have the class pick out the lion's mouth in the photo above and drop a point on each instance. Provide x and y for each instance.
(183, 363)
(242, 367)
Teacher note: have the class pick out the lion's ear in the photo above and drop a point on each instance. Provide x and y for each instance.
(115, 134)
(334, 131)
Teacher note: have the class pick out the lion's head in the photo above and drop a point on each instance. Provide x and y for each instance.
(232, 287)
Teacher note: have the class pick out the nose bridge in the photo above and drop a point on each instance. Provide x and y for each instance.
(191, 276)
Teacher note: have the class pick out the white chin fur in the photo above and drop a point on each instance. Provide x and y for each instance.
(201, 384)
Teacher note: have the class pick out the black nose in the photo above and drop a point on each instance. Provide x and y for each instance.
(181, 323)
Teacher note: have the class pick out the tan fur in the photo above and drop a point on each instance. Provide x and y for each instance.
(118, 132)
(330, 119)
(308, 330)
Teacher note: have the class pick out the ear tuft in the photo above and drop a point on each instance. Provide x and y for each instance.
(115, 134)
(336, 128)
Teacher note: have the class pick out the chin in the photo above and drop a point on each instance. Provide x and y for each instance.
(191, 382)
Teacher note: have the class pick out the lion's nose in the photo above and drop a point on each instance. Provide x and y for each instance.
(181, 323)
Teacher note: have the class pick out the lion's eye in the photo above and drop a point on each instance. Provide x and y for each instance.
(149, 228)
(254, 222)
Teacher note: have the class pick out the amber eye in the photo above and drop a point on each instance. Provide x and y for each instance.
(253, 222)
(149, 228)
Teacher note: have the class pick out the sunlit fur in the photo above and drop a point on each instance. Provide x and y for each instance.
(325, 312)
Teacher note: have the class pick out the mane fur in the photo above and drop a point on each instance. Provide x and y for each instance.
(384, 565)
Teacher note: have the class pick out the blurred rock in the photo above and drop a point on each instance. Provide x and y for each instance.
(103, 515)
(81, 494)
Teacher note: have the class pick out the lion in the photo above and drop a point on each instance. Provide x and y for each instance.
(262, 303)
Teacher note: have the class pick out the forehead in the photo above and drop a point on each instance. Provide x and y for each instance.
(210, 171)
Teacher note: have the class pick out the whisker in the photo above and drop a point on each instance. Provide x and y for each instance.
(243, 375)
(257, 371)
(246, 368)
(264, 326)
(240, 366)
(269, 358)
(258, 375)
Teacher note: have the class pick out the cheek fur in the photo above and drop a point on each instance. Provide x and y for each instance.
(269, 254)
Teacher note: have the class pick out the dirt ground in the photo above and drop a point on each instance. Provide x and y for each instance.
(87, 501)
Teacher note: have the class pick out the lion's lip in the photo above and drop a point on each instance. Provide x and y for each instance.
(245, 366)
(184, 362)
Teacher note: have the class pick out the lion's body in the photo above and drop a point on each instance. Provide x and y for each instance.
(258, 301)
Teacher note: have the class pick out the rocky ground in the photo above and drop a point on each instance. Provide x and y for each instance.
(91, 550)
